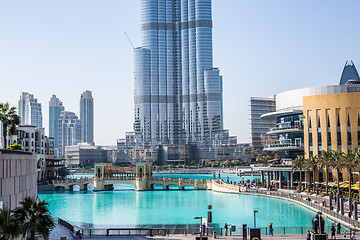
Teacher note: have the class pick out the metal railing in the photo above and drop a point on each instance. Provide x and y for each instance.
(317, 206)
(283, 145)
(285, 128)
(182, 229)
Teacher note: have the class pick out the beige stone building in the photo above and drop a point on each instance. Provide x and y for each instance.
(18, 177)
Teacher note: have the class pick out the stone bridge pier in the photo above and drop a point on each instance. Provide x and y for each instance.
(144, 176)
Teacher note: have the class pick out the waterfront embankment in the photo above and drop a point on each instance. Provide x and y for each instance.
(312, 202)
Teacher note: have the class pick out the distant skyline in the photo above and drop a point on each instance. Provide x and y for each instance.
(262, 47)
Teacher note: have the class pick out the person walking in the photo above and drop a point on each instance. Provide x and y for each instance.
(333, 230)
(226, 229)
(338, 228)
(271, 230)
(353, 236)
(308, 235)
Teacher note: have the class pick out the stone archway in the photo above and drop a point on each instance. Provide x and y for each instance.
(98, 173)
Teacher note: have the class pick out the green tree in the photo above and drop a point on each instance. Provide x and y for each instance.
(311, 163)
(9, 228)
(349, 164)
(337, 163)
(10, 119)
(298, 163)
(35, 217)
(325, 163)
(15, 146)
(63, 172)
(357, 161)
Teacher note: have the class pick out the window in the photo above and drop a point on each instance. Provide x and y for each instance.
(319, 135)
(328, 133)
(310, 137)
(349, 133)
(358, 133)
(338, 133)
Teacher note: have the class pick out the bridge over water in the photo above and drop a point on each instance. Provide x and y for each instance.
(106, 175)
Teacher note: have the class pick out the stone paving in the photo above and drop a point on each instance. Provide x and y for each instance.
(61, 231)
(182, 237)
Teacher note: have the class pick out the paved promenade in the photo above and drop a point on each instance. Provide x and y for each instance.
(181, 237)
(61, 231)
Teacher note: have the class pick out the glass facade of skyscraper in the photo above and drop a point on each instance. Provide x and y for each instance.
(177, 89)
(55, 108)
(29, 110)
(87, 117)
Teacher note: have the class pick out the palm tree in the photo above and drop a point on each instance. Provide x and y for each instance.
(35, 217)
(9, 229)
(349, 164)
(337, 163)
(325, 163)
(357, 163)
(311, 163)
(298, 163)
(9, 118)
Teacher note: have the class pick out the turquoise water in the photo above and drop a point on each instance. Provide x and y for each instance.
(132, 208)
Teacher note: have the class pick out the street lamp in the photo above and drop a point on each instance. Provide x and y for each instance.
(255, 211)
(200, 225)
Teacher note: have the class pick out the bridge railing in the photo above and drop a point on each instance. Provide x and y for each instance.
(120, 178)
(74, 180)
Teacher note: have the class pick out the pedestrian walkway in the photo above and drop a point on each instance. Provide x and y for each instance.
(192, 237)
(60, 231)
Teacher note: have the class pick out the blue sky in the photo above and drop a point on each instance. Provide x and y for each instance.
(262, 48)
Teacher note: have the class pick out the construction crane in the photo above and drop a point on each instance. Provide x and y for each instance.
(129, 41)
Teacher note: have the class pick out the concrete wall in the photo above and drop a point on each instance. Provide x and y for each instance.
(17, 177)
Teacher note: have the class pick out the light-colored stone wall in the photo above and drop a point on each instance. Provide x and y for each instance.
(331, 107)
(18, 177)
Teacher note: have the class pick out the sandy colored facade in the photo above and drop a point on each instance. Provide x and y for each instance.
(331, 121)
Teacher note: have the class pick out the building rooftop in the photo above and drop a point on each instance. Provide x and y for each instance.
(349, 74)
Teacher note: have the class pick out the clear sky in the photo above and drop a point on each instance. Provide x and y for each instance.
(262, 48)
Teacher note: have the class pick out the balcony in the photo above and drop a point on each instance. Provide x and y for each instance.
(284, 146)
(284, 128)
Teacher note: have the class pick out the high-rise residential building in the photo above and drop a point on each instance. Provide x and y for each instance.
(21, 106)
(87, 117)
(55, 108)
(178, 92)
(69, 131)
(258, 126)
(29, 110)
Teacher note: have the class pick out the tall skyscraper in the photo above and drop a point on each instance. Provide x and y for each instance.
(87, 117)
(29, 110)
(55, 108)
(69, 131)
(178, 96)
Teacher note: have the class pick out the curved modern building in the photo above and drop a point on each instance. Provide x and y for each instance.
(310, 120)
(177, 89)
